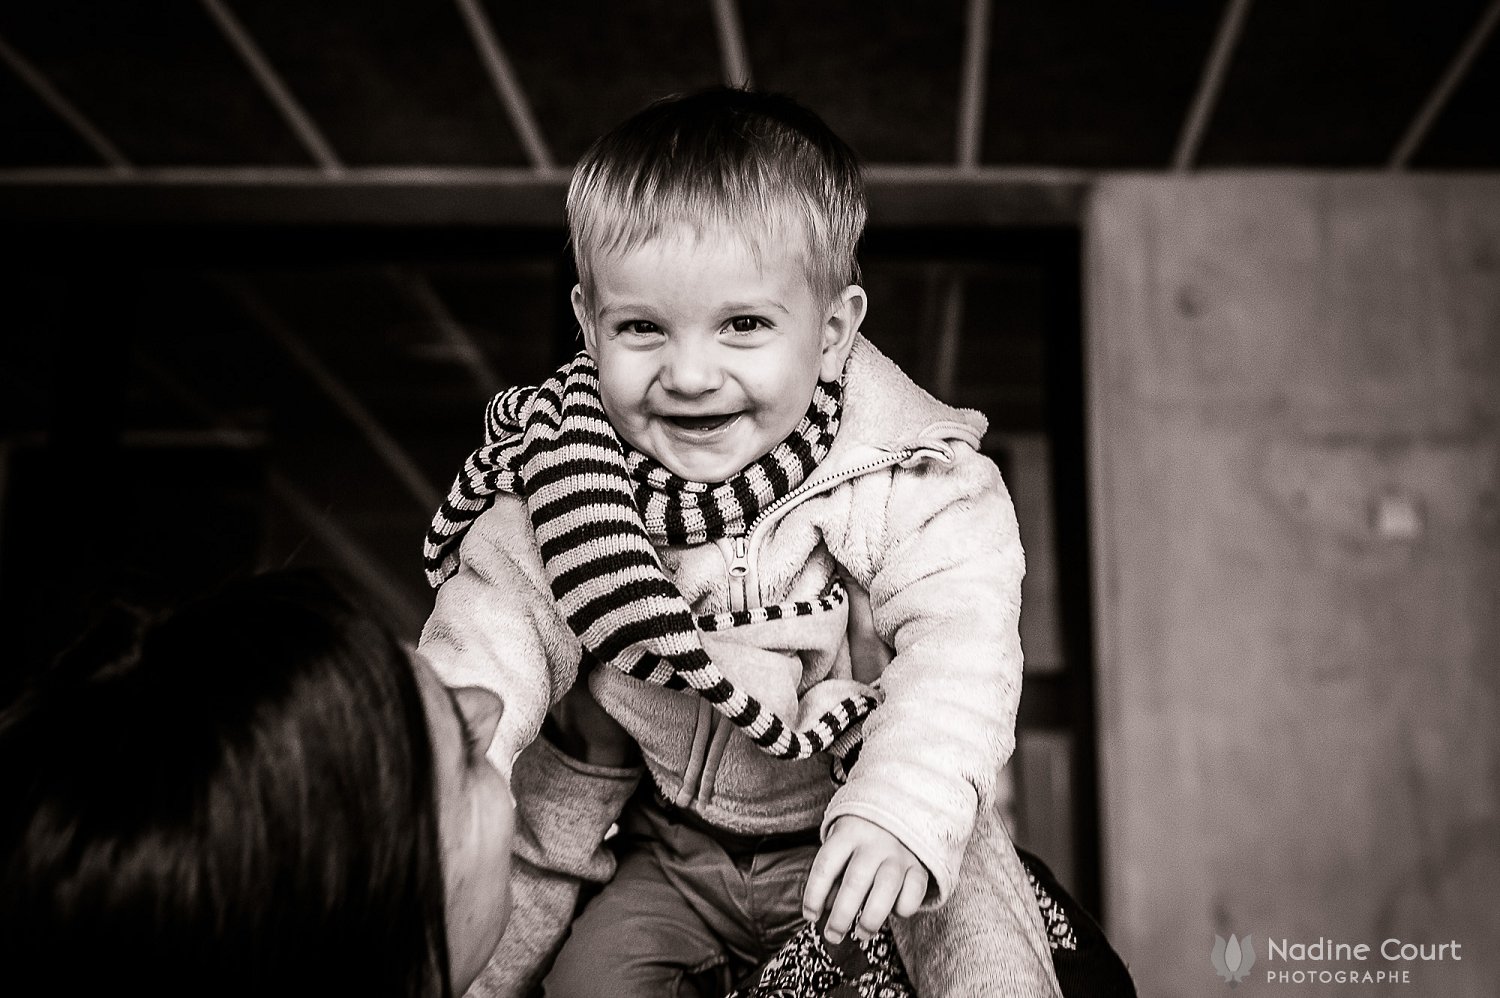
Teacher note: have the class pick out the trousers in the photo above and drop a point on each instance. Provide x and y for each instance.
(690, 910)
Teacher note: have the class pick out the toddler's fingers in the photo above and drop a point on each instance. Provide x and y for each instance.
(850, 899)
(826, 867)
(877, 908)
(913, 890)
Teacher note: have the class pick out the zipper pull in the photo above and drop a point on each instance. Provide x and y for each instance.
(740, 566)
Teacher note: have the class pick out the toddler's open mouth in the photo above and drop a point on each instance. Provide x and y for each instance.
(702, 424)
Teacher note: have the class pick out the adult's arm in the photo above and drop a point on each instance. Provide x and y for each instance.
(564, 807)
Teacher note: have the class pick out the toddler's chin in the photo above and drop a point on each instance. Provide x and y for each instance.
(710, 469)
(707, 474)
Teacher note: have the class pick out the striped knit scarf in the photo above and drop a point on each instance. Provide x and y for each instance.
(596, 506)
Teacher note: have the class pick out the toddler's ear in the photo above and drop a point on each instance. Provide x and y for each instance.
(839, 330)
(585, 321)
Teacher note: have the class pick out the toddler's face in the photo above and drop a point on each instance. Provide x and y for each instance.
(708, 359)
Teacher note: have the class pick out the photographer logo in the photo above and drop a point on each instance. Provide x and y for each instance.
(1232, 960)
(1329, 961)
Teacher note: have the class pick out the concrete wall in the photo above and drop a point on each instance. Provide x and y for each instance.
(1295, 430)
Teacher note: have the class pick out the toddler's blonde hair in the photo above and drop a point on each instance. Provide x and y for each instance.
(757, 166)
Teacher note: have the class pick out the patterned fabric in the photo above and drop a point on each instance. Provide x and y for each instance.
(1060, 933)
(678, 511)
(805, 968)
(553, 446)
(776, 611)
(1087, 965)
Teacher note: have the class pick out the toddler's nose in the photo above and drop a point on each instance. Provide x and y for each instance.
(691, 369)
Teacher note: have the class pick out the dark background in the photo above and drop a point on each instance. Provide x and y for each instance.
(270, 258)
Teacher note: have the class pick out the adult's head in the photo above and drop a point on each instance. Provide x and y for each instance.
(263, 793)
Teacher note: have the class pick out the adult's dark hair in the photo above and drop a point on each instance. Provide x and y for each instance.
(237, 799)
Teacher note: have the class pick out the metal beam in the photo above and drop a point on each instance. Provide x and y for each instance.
(980, 198)
(507, 84)
(420, 290)
(385, 446)
(915, 195)
(465, 176)
(289, 176)
(1231, 24)
(1417, 131)
(971, 95)
(733, 52)
(292, 112)
(64, 109)
(219, 437)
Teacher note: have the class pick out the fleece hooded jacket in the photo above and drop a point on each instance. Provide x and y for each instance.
(905, 507)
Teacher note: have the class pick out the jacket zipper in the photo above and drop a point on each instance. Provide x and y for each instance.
(739, 562)
(739, 569)
(807, 490)
(739, 599)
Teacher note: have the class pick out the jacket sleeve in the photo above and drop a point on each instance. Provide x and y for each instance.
(943, 566)
(496, 625)
(564, 808)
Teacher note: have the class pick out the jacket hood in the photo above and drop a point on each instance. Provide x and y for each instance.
(886, 408)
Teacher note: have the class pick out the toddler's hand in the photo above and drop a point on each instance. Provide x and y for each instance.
(581, 728)
(874, 872)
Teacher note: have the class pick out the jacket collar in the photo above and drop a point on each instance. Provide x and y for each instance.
(884, 408)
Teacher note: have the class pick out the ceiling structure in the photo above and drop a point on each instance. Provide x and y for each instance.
(401, 165)
(281, 252)
(482, 105)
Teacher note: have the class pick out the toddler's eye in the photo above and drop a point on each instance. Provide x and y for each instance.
(746, 323)
(638, 326)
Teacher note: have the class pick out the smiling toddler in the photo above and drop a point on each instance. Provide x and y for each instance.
(674, 515)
